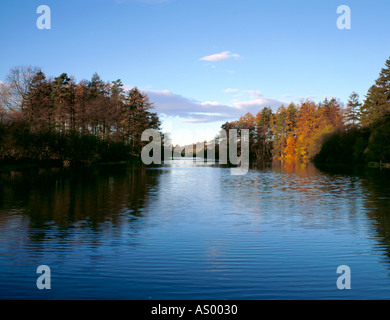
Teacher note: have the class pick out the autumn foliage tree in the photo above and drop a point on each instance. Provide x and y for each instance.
(59, 118)
(292, 133)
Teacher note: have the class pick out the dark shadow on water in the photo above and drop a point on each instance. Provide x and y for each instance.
(66, 198)
(376, 184)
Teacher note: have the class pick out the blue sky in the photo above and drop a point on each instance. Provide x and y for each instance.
(204, 62)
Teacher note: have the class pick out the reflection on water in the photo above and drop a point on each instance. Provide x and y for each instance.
(64, 197)
(191, 230)
(375, 186)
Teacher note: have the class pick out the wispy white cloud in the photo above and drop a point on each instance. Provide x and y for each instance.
(256, 105)
(250, 94)
(255, 94)
(230, 90)
(220, 56)
(300, 98)
(210, 103)
(173, 105)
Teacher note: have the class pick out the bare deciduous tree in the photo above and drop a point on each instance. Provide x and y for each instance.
(14, 91)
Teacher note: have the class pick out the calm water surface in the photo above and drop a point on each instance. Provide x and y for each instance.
(183, 231)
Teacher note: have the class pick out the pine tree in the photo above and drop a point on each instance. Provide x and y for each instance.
(377, 103)
(136, 117)
(352, 112)
(264, 120)
(38, 109)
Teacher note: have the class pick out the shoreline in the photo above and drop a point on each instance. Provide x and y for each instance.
(20, 165)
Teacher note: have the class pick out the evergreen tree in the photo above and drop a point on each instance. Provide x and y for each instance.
(38, 109)
(352, 112)
(136, 117)
(264, 124)
(377, 103)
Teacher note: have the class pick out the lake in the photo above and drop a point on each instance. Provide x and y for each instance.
(187, 230)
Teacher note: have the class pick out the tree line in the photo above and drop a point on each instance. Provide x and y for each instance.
(58, 118)
(365, 137)
(326, 131)
(92, 120)
(290, 133)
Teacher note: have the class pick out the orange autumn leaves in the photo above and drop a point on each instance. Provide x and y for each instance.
(293, 133)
